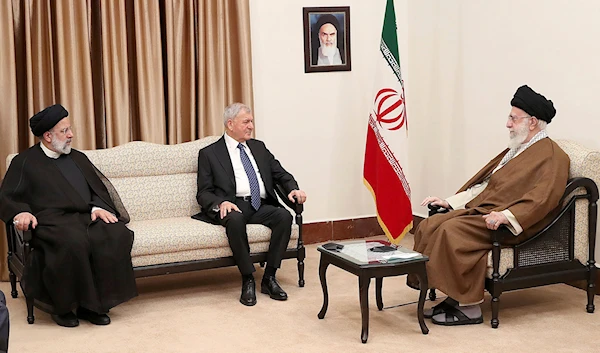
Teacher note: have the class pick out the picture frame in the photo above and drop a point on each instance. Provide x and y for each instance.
(326, 39)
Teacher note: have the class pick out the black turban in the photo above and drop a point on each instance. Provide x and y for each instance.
(533, 104)
(47, 118)
(327, 18)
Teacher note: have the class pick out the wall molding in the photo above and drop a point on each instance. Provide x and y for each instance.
(344, 229)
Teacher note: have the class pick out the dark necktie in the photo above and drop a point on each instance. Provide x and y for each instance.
(254, 187)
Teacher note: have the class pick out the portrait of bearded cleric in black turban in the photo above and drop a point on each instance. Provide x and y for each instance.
(327, 39)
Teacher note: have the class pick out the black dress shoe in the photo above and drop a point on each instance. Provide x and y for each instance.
(93, 317)
(269, 286)
(66, 320)
(248, 296)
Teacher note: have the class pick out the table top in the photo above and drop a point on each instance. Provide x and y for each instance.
(359, 252)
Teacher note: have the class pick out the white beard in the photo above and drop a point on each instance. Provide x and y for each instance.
(64, 148)
(518, 136)
(328, 51)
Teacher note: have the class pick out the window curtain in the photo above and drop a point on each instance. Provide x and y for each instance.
(160, 71)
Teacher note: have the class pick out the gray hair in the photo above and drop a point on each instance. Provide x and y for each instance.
(542, 124)
(233, 110)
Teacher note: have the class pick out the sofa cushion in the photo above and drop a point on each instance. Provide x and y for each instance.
(200, 254)
(159, 196)
(183, 233)
(140, 158)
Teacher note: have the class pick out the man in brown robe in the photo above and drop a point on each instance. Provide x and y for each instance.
(81, 258)
(519, 188)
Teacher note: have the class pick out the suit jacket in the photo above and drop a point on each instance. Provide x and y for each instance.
(216, 180)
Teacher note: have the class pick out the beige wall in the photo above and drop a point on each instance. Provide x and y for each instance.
(462, 60)
(472, 55)
(316, 123)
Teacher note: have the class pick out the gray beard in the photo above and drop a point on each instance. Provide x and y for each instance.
(62, 148)
(518, 138)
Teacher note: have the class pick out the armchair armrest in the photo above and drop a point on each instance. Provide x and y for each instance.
(435, 209)
(295, 206)
(498, 236)
(501, 234)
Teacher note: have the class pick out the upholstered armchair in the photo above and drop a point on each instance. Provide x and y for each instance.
(563, 251)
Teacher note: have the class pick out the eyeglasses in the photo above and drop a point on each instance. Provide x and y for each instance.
(514, 119)
(65, 130)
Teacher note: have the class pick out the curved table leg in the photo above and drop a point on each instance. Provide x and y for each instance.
(322, 270)
(422, 275)
(378, 286)
(363, 292)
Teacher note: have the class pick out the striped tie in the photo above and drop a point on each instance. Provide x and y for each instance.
(254, 187)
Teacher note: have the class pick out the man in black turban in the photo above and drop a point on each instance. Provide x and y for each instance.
(47, 119)
(326, 40)
(519, 188)
(533, 104)
(82, 248)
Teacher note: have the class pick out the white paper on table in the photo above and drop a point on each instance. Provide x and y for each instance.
(398, 254)
(357, 251)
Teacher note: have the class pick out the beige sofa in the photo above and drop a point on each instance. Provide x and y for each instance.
(157, 185)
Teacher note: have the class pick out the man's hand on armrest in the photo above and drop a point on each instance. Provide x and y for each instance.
(495, 220)
(104, 215)
(299, 194)
(22, 220)
(436, 201)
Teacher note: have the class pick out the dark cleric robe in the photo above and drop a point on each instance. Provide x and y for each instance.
(75, 262)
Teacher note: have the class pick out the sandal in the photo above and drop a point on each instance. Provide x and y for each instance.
(437, 309)
(455, 317)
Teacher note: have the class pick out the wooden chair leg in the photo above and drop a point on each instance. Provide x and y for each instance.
(30, 317)
(13, 284)
(495, 310)
(591, 289)
(432, 295)
(301, 255)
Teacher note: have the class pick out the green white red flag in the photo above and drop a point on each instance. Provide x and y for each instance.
(387, 138)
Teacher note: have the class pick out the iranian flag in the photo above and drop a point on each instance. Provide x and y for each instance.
(387, 138)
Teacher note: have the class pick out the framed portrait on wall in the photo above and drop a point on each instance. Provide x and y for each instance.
(326, 39)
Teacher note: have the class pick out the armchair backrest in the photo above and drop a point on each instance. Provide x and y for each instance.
(585, 162)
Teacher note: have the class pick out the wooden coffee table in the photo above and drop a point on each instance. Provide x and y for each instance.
(357, 258)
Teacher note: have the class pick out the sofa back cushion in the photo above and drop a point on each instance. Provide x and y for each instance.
(154, 181)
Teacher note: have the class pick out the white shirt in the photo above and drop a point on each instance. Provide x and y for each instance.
(242, 184)
(48, 152)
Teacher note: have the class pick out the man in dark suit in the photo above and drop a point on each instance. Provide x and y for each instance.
(236, 186)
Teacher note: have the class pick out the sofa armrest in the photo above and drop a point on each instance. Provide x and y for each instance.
(18, 243)
(15, 234)
(295, 206)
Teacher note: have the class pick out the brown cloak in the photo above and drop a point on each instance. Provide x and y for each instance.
(457, 243)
